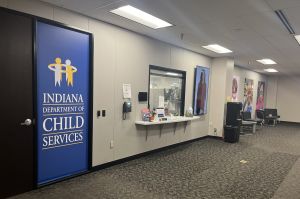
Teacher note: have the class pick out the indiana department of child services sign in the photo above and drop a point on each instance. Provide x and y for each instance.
(63, 69)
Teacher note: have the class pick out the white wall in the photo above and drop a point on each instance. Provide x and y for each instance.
(3, 3)
(285, 95)
(121, 56)
(221, 71)
(244, 73)
(271, 101)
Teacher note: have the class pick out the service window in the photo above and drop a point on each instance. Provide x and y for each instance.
(167, 90)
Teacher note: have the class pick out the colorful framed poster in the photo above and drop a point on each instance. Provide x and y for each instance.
(201, 84)
(248, 95)
(260, 101)
(235, 89)
(64, 103)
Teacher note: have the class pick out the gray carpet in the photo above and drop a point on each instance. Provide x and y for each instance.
(207, 168)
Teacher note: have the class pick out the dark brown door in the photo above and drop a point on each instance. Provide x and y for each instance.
(16, 104)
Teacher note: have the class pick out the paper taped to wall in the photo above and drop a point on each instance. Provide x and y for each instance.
(126, 91)
(161, 101)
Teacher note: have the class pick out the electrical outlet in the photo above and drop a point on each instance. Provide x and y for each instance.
(98, 114)
(111, 144)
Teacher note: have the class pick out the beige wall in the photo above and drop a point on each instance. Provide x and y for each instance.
(124, 57)
(121, 56)
(285, 95)
(3, 3)
(221, 71)
(244, 73)
(288, 96)
(272, 92)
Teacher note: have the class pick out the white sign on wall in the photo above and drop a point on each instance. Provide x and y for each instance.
(126, 91)
(161, 101)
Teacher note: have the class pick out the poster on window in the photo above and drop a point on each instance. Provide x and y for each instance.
(63, 90)
(248, 95)
(260, 101)
(200, 90)
(235, 89)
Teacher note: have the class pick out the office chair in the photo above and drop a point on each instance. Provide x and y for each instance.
(271, 116)
(260, 117)
(246, 116)
(248, 122)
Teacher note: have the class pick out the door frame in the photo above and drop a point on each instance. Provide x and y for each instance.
(34, 20)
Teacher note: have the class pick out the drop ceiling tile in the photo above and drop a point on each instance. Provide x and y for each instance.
(71, 18)
(81, 6)
(282, 4)
(264, 24)
(286, 45)
(293, 16)
(31, 7)
(250, 27)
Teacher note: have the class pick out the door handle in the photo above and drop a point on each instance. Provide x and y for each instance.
(27, 122)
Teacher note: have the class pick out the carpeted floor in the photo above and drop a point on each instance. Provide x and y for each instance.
(207, 168)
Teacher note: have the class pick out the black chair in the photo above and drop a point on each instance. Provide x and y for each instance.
(248, 122)
(246, 116)
(260, 117)
(271, 116)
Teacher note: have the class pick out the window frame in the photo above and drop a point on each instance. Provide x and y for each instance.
(183, 84)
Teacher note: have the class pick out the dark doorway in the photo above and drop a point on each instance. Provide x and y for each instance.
(16, 102)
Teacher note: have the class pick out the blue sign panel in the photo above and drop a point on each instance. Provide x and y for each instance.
(62, 101)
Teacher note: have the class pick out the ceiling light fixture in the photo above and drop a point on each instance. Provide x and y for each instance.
(266, 61)
(217, 48)
(285, 21)
(271, 70)
(141, 17)
(297, 37)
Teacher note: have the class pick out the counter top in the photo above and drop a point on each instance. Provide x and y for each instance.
(170, 120)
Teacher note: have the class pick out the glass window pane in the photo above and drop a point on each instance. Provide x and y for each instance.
(166, 84)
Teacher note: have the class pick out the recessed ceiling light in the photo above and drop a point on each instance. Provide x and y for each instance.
(217, 48)
(141, 17)
(266, 61)
(297, 37)
(271, 70)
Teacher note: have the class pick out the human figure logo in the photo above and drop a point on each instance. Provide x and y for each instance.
(59, 69)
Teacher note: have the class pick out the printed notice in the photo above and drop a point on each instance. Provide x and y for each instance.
(126, 91)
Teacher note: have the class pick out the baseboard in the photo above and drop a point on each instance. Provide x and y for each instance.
(290, 123)
(215, 137)
(123, 160)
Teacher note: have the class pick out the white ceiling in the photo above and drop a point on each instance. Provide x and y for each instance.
(248, 27)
